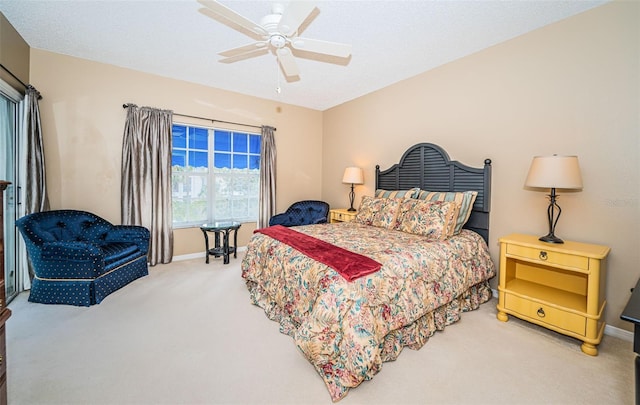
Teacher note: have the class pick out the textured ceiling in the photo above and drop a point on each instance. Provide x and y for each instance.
(392, 40)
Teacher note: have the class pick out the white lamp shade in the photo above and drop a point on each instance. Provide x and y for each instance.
(353, 175)
(554, 172)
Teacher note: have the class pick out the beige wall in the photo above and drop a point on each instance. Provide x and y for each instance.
(83, 122)
(569, 88)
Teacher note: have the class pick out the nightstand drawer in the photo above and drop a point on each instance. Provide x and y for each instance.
(342, 215)
(548, 257)
(553, 317)
(338, 216)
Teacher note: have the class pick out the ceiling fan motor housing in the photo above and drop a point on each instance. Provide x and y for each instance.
(270, 23)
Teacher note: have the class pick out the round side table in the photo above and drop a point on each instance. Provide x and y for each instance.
(221, 246)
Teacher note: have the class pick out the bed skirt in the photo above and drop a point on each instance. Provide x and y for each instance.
(413, 336)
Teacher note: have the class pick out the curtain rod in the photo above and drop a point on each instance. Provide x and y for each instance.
(26, 86)
(210, 119)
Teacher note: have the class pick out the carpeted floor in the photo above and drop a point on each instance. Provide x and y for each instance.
(187, 334)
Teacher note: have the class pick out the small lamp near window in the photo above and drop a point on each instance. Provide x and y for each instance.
(552, 172)
(352, 175)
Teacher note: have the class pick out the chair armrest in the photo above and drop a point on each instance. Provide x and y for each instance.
(130, 233)
(279, 219)
(85, 259)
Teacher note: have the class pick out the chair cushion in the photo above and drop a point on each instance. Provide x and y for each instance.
(117, 253)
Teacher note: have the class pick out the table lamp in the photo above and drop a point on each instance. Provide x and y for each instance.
(352, 175)
(552, 172)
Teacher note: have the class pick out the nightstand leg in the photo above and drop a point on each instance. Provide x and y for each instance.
(637, 380)
(588, 348)
(502, 316)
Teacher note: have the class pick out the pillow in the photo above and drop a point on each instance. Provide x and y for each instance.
(434, 219)
(380, 212)
(411, 193)
(464, 198)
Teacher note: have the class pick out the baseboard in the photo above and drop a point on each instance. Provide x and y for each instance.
(608, 329)
(619, 333)
(199, 255)
(187, 257)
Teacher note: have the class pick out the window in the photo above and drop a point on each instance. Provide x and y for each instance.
(215, 175)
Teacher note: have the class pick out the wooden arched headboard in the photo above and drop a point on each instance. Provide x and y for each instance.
(429, 167)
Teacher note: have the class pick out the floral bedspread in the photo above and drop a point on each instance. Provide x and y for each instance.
(348, 329)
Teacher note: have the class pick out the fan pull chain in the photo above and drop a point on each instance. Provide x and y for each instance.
(278, 88)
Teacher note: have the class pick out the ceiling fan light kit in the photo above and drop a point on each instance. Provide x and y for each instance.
(278, 33)
(277, 41)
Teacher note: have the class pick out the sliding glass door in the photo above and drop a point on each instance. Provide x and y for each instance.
(10, 108)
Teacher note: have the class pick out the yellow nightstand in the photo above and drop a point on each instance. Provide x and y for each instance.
(558, 286)
(341, 215)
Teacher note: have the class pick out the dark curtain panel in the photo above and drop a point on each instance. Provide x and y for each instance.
(146, 177)
(37, 199)
(267, 177)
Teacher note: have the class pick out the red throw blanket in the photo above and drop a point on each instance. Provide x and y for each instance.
(350, 265)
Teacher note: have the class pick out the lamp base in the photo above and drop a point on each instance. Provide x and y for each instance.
(351, 209)
(352, 196)
(551, 238)
(553, 219)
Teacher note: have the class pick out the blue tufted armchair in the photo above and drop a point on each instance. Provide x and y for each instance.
(305, 212)
(79, 258)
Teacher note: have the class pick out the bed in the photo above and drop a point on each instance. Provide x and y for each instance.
(352, 295)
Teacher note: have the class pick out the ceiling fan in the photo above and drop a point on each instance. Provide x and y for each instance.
(276, 33)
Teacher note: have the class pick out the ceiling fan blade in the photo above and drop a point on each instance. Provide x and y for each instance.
(214, 9)
(243, 49)
(246, 55)
(293, 17)
(288, 62)
(323, 47)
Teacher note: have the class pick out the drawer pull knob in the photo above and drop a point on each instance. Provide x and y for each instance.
(541, 313)
(543, 255)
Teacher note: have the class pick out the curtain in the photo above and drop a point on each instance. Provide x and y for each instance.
(37, 199)
(267, 198)
(146, 177)
(7, 138)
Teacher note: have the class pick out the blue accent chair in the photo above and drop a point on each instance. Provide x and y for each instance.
(305, 212)
(79, 258)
